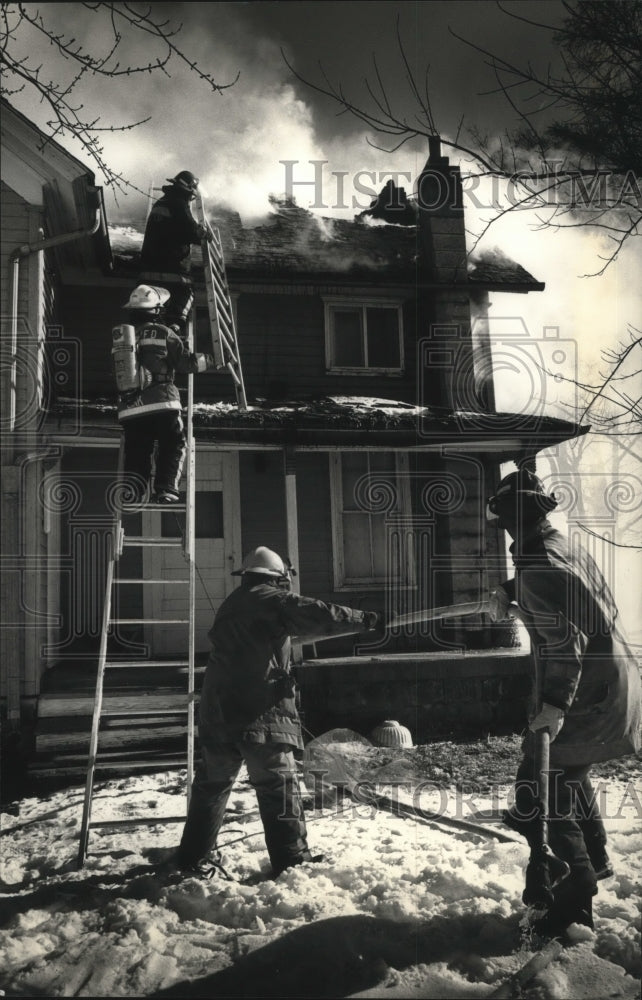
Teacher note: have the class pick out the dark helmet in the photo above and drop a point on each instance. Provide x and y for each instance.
(185, 181)
(522, 486)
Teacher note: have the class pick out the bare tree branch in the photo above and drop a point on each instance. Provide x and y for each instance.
(588, 113)
(69, 118)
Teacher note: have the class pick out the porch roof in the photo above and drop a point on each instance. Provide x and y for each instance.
(344, 422)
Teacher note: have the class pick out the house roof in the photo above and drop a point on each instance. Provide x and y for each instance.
(296, 244)
(349, 422)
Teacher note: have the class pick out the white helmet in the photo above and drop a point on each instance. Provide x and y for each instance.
(147, 297)
(264, 561)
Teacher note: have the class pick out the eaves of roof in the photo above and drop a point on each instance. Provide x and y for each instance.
(323, 424)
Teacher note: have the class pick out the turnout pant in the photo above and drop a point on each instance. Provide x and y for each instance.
(576, 833)
(272, 773)
(164, 427)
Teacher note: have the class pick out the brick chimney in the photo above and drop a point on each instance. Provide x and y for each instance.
(441, 218)
(443, 303)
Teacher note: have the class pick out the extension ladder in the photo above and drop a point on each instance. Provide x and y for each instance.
(225, 345)
(226, 355)
(120, 540)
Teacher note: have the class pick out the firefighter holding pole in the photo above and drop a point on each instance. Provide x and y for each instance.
(586, 702)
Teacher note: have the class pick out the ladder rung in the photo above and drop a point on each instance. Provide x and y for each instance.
(140, 821)
(223, 313)
(233, 373)
(147, 663)
(224, 321)
(149, 621)
(172, 582)
(165, 507)
(127, 713)
(152, 540)
(144, 508)
(223, 307)
(227, 340)
(220, 287)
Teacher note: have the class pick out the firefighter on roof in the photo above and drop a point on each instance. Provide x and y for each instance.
(170, 232)
(146, 356)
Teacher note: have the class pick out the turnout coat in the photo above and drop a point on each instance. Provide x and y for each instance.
(248, 690)
(582, 662)
(160, 354)
(170, 232)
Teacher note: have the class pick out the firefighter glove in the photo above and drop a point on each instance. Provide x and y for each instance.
(550, 717)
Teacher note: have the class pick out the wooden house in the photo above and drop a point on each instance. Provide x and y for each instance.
(368, 449)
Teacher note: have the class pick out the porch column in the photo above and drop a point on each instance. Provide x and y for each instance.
(291, 516)
(292, 525)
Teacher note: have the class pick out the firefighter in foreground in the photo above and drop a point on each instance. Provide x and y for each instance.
(147, 354)
(587, 690)
(170, 232)
(248, 711)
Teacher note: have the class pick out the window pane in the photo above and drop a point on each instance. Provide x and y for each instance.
(209, 514)
(356, 547)
(208, 521)
(347, 341)
(379, 546)
(383, 338)
(354, 465)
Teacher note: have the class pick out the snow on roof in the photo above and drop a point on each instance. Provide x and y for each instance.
(332, 418)
(293, 241)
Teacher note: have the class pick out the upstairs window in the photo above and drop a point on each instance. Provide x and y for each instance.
(363, 337)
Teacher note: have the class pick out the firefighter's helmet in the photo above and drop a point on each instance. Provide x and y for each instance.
(522, 486)
(186, 181)
(265, 562)
(147, 297)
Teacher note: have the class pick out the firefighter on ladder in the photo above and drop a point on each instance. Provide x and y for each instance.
(147, 354)
(170, 232)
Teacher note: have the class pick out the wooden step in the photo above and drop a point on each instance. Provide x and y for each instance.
(75, 766)
(132, 738)
(82, 702)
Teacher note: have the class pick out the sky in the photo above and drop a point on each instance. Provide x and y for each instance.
(236, 140)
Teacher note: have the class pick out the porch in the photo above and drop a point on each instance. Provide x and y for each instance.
(435, 694)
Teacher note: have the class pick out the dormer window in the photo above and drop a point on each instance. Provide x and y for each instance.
(364, 337)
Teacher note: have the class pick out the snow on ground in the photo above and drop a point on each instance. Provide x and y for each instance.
(398, 909)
